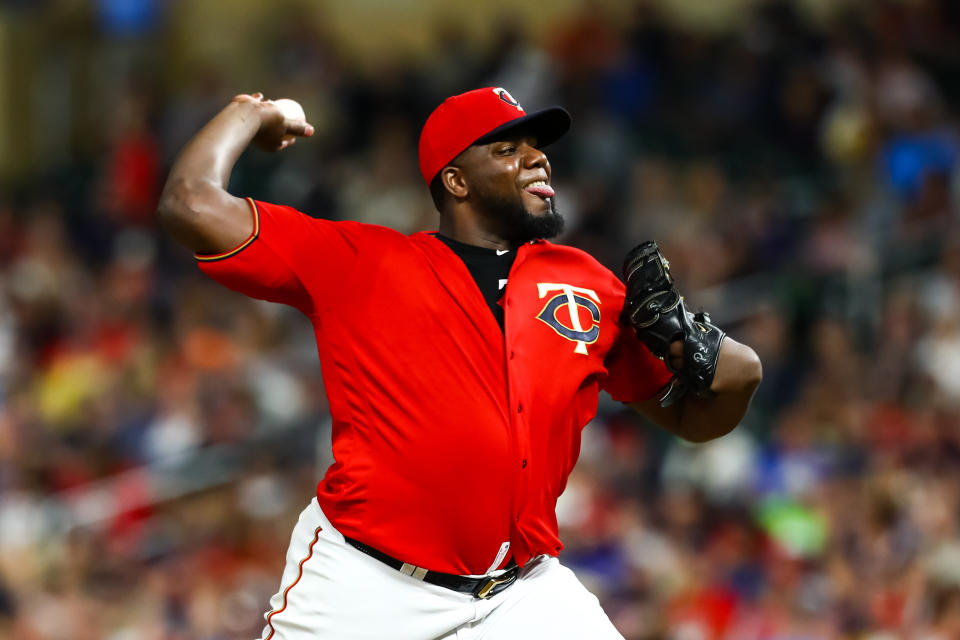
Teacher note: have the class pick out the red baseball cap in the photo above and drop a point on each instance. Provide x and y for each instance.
(480, 116)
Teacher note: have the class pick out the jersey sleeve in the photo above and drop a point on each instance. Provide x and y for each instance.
(634, 374)
(285, 248)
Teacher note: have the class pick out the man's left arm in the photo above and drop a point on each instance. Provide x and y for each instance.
(697, 419)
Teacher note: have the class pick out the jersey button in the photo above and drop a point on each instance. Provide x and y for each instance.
(519, 408)
(524, 464)
(511, 355)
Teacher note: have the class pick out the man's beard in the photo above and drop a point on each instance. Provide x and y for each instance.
(512, 222)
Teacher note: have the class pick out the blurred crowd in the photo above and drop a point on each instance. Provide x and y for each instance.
(159, 434)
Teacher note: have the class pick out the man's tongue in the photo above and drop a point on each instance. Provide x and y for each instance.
(542, 190)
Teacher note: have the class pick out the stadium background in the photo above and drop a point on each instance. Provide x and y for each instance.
(797, 162)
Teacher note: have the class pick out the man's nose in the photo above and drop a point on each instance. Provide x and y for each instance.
(534, 157)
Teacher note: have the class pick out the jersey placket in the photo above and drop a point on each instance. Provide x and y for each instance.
(519, 413)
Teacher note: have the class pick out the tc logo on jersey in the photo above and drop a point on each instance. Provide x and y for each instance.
(562, 313)
(504, 95)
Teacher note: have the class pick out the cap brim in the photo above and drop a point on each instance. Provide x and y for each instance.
(547, 126)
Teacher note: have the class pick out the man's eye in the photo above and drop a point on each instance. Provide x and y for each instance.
(508, 149)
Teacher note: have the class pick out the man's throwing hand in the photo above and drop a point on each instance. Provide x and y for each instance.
(281, 121)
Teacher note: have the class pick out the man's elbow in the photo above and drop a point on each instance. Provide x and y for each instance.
(186, 211)
(753, 371)
(179, 203)
(739, 370)
(705, 420)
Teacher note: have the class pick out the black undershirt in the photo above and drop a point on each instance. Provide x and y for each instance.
(488, 269)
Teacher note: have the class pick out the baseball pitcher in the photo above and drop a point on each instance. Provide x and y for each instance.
(461, 366)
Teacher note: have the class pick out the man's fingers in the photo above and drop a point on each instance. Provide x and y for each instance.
(299, 128)
(676, 355)
(248, 97)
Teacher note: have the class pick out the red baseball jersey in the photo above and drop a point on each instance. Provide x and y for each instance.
(451, 438)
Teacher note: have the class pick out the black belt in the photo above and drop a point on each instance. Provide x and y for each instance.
(482, 587)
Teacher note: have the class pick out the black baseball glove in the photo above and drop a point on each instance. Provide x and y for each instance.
(655, 309)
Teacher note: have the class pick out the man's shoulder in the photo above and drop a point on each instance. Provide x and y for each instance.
(364, 232)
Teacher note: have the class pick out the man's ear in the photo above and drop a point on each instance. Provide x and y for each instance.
(454, 181)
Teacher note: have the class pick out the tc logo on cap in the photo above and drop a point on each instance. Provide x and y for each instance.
(504, 95)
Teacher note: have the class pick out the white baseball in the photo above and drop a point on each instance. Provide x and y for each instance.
(290, 109)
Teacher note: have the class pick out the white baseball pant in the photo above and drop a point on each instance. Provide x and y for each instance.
(332, 591)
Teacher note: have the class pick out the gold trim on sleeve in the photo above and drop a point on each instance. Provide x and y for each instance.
(242, 246)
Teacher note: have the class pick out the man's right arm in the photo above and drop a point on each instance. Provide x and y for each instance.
(195, 206)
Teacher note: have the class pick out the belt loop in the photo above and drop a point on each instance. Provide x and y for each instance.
(413, 571)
